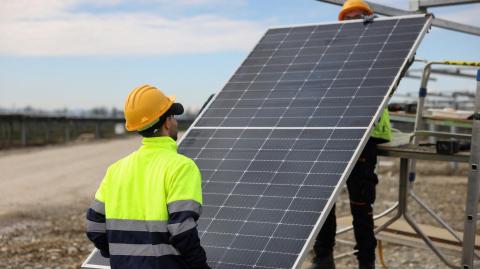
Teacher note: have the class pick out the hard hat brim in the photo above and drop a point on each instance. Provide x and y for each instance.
(176, 109)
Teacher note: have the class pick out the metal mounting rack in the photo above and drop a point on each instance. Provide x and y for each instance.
(408, 158)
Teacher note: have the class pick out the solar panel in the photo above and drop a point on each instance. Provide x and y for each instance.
(279, 140)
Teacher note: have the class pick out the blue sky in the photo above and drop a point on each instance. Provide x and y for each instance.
(85, 53)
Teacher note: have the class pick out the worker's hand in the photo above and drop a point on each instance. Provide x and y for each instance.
(369, 18)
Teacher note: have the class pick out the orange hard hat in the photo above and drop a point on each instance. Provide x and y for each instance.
(351, 5)
(144, 106)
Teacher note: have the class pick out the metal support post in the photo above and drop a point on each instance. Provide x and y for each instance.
(10, 133)
(402, 195)
(23, 131)
(67, 131)
(46, 126)
(75, 129)
(419, 124)
(471, 210)
(4, 134)
(98, 126)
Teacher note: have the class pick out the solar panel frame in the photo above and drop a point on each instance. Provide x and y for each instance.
(311, 238)
(96, 261)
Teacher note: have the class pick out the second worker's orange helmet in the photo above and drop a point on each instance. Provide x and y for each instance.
(351, 5)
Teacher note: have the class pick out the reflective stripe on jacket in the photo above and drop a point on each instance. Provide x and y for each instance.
(145, 210)
(383, 130)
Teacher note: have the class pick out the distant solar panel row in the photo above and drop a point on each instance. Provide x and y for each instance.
(276, 144)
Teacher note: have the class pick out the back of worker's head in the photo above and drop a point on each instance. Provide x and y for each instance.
(147, 111)
(354, 9)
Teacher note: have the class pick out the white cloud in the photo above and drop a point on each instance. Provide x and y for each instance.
(198, 2)
(29, 28)
(24, 9)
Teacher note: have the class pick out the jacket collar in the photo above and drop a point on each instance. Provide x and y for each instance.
(161, 142)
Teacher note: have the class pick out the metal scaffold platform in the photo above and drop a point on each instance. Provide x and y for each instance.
(402, 227)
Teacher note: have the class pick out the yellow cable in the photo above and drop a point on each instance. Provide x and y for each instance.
(462, 63)
(380, 254)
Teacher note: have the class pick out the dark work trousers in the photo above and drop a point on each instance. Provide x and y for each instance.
(361, 189)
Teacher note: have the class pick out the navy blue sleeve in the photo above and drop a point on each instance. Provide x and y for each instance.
(188, 244)
(182, 225)
(96, 231)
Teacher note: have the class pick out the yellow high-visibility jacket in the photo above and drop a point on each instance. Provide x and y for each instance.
(383, 129)
(145, 210)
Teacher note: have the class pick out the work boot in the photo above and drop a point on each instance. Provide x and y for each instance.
(324, 262)
(366, 265)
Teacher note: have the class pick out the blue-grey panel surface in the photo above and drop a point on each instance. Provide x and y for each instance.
(276, 142)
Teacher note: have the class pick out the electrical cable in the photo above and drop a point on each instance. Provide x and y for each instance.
(380, 254)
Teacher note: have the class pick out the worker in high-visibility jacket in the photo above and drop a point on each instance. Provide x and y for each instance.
(360, 184)
(145, 211)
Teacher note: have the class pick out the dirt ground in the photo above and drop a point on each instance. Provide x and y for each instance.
(441, 185)
(44, 193)
(56, 175)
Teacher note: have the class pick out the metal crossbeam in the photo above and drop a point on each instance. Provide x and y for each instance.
(440, 3)
(380, 9)
(473, 189)
(391, 11)
(455, 26)
(456, 72)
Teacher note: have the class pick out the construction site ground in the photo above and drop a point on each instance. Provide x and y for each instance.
(44, 194)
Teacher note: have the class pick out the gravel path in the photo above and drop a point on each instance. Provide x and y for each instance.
(56, 175)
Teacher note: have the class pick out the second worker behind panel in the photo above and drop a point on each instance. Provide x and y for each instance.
(360, 184)
(145, 210)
